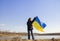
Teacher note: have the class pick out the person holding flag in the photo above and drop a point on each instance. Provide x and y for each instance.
(30, 27)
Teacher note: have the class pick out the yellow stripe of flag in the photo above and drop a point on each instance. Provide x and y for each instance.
(38, 27)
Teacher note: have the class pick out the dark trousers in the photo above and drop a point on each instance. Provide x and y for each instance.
(30, 31)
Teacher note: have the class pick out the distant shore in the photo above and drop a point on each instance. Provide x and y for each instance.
(9, 36)
(24, 34)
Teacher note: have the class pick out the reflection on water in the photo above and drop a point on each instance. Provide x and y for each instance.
(36, 37)
(44, 37)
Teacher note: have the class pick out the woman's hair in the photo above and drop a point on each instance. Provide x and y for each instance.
(29, 19)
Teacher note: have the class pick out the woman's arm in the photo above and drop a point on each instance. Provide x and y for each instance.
(33, 19)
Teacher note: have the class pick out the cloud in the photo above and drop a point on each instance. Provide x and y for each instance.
(12, 28)
(1, 25)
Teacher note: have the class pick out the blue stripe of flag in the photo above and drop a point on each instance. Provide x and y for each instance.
(43, 25)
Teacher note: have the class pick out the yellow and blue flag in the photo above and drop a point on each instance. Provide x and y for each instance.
(39, 25)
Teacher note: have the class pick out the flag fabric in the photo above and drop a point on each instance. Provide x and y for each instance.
(39, 25)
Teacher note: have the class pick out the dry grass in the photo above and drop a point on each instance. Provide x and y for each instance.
(19, 39)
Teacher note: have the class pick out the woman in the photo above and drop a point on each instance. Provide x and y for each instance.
(30, 28)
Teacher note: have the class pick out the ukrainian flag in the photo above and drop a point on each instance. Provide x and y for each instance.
(39, 25)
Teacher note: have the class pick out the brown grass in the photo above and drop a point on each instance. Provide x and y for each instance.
(29, 40)
(19, 39)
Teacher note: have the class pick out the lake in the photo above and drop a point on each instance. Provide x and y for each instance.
(36, 37)
(43, 37)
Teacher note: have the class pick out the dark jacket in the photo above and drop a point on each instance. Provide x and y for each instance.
(29, 24)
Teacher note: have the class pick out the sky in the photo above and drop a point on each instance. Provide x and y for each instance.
(15, 13)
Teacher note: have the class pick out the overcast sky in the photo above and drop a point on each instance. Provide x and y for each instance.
(14, 14)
